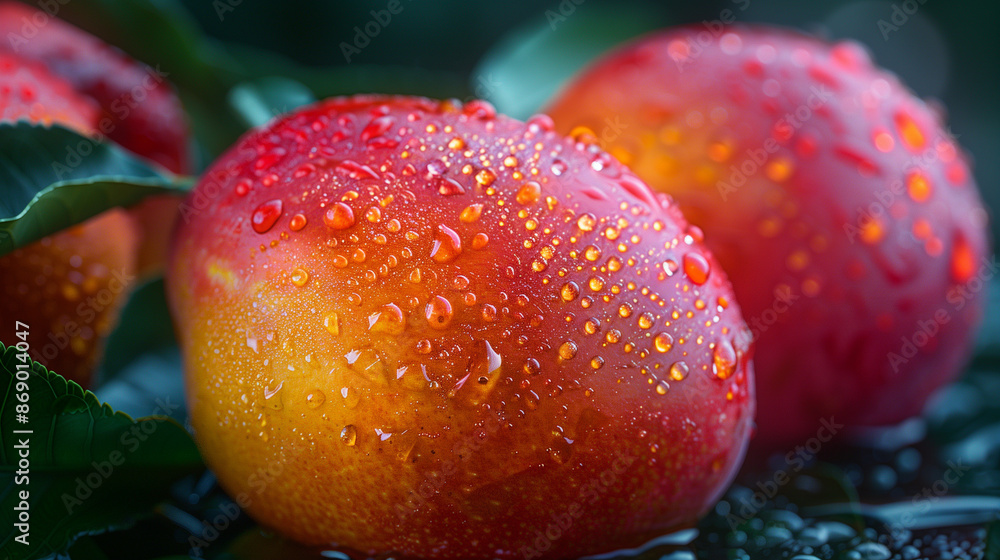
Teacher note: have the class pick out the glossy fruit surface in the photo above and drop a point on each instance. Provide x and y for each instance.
(68, 287)
(421, 327)
(844, 213)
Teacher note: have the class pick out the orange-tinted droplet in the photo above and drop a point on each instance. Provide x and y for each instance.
(919, 186)
(570, 291)
(663, 342)
(871, 231)
(339, 216)
(438, 312)
(265, 216)
(300, 277)
(447, 245)
(297, 222)
(529, 193)
(696, 267)
(963, 260)
(724, 359)
(910, 133)
(471, 213)
(485, 177)
(480, 240)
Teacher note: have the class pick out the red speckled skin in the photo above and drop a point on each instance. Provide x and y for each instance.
(795, 157)
(325, 370)
(140, 110)
(66, 287)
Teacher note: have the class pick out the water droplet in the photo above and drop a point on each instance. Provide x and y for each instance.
(910, 132)
(663, 342)
(485, 177)
(389, 319)
(373, 214)
(724, 359)
(351, 397)
(315, 398)
(531, 367)
(963, 260)
(559, 167)
(613, 336)
(376, 128)
(339, 216)
(489, 313)
(662, 387)
(596, 362)
(595, 283)
(332, 324)
(568, 350)
(570, 291)
(297, 222)
(300, 277)
(696, 267)
(355, 170)
(243, 187)
(510, 161)
(349, 435)
(625, 310)
(438, 312)
(561, 449)
(424, 346)
(480, 240)
(529, 193)
(646, 320)
(447, 245)
(586, 222)
(265, 216)
(871, 231)
(471, 213)
(679, 371)
(592, 253)
(918, 186)
(542, 122)
(592, 325)
(270, 394)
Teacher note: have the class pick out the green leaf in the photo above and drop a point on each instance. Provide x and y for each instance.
(529, 65)
(258, 101)
(89, 469)
(53, 178)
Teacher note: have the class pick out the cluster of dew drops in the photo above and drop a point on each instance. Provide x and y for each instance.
(530, 197)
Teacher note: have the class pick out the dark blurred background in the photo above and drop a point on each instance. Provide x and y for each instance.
(945, 50)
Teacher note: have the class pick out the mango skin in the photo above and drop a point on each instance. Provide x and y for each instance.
(69, 287)
(843, 211)
(383, 305)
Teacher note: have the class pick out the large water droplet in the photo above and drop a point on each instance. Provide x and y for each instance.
(265, 216)
(315, 398)
(679, 371)
(349, 435)
(447, 245)
(696, 267)
(724, 359)
(663, 342)
(339, 216)
(438, 312)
